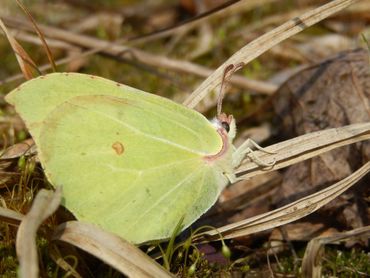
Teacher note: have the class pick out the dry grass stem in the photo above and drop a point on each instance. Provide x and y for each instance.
(10, 216)
(135, 55)
(45, 204)
(264, 43)
(25, 62)
(62, 263)
(236, 8)
(39, 33)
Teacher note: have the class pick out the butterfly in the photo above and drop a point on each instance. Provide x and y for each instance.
(131, 162)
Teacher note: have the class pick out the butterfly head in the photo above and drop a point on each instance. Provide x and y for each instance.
(226, 123)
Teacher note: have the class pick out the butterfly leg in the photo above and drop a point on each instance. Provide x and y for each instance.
(246, 150)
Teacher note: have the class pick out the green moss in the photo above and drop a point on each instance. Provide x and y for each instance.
(8, 257)
(346, 263)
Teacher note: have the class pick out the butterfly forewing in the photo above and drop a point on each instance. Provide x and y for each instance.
(129, 161)
(128, 165)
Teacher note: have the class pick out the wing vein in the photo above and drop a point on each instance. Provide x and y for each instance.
(156, 138)
(116, 169)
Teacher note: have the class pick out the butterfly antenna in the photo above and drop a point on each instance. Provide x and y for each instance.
(228, 72)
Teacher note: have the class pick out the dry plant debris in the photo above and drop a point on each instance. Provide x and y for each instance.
(322, 107)
(333, 93)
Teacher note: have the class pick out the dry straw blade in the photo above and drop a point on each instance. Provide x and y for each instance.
(264, 43)
(311, 263)
(44, 205)
(108, 247)
(39, 33)
(25, 62)
(288, 213)
(10, 216)
(304, 147)
(290, 152)
(113, 250)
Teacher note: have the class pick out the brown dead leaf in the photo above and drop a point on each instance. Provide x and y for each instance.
(9, 158)
(26, 147)
(333, 93)
(300, 231)
(330, 43)
(250, 197)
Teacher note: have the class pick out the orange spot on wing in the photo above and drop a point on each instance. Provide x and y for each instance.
(118, 147)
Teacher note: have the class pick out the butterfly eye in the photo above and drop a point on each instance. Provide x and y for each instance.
(226, 126)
